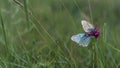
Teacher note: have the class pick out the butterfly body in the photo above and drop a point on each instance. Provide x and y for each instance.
(85, 38)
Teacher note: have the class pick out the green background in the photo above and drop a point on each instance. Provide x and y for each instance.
(36, 33)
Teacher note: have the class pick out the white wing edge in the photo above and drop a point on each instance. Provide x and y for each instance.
(86, 25)
(78, 38)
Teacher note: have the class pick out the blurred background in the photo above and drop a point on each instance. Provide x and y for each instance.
(36, 33)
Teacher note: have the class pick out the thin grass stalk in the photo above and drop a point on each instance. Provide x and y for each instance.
(93, 64)
(4, 33)
(93, 56)
(26, 12)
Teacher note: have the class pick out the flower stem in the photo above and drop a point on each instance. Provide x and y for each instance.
(94, 56)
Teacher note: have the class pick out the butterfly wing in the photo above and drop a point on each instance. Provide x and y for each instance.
(78, 38)
(85, 42)
(81, 39)
(87, 26)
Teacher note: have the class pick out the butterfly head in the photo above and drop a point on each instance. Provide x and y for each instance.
(96, 32)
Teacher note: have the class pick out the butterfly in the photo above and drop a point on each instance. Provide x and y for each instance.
(83, 39)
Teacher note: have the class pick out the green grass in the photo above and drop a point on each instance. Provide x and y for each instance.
(36, 34)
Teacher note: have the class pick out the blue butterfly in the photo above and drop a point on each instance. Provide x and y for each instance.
(84, 39)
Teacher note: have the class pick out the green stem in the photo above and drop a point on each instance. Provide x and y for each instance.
(94, 55)
(26, 12)
(4, 33)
